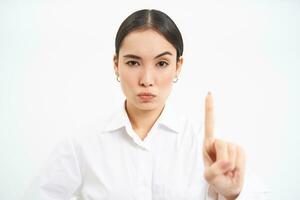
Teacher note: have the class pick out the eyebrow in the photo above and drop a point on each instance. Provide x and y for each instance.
(137, 57)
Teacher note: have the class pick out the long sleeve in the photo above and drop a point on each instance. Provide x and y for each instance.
(60, 178)
(253, 189)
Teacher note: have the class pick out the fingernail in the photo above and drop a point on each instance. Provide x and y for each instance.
(209, 93)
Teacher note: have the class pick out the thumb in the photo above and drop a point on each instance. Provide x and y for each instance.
(218, 168)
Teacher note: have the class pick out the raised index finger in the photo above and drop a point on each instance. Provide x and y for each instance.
(209, 118)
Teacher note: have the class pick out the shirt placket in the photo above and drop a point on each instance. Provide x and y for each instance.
(144, 174)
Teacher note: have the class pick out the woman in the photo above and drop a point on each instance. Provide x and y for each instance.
(144, 151)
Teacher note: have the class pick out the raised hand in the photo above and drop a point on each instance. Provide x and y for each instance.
(224, 161)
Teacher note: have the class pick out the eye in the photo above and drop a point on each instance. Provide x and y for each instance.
(132, 63)
(162, 64)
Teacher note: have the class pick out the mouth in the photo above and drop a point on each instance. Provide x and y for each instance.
(145, 96)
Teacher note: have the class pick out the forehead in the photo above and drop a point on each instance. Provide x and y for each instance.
(146, 43)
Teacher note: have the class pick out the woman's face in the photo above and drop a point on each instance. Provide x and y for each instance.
(147, 67)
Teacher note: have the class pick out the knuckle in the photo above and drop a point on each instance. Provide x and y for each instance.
(219, 143)
(232, 148)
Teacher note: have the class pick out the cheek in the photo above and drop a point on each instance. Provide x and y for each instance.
(128, 80)
(166, 81)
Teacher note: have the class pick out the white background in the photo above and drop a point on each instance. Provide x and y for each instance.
(56, 79)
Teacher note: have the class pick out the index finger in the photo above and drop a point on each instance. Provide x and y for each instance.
(209, 118)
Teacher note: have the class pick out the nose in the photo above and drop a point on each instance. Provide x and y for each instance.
(146, 78)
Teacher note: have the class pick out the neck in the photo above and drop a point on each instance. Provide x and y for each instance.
(142, 120)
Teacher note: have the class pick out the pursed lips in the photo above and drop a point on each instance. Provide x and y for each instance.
(146, 96)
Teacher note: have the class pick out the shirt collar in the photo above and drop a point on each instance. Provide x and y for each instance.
(118, 120)
(168, 119)
(171, 118)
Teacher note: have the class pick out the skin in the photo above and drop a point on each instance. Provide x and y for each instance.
(153, 71)
(141, 69)
(224, 161)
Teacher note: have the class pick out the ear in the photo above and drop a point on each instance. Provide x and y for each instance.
(116, 64)
(179, 65)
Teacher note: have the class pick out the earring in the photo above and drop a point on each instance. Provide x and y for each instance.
(176, 79)
(117, 77)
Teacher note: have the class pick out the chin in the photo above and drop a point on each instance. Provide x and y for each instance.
(148, 105)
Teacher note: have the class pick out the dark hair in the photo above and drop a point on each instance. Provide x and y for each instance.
(153, 19)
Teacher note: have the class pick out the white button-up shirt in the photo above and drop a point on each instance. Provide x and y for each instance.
(115, 164)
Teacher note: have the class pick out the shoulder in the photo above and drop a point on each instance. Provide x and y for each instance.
(88, 135)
